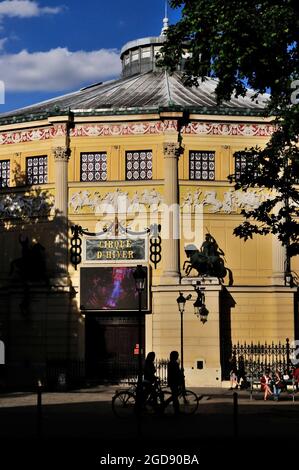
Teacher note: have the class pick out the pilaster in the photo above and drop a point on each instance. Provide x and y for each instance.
(171, 215)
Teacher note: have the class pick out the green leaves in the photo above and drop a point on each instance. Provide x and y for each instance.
(253, 43)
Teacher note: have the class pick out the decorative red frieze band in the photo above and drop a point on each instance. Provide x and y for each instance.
(134, 128)
(216, 128)
(42, 133)
(137, 128)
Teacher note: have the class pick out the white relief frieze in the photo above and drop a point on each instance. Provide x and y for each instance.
(116, 201)
(232, 201)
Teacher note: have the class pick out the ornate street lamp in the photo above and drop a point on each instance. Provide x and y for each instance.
(181, 301)
(139, 275)
(200, 310)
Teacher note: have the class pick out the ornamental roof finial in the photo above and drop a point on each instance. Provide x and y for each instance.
(165, 20)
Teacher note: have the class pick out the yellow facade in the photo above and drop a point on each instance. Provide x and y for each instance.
(42, 317)
(259, 310)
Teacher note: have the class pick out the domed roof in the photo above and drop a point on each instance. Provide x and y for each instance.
(141, 93)
(144, 88)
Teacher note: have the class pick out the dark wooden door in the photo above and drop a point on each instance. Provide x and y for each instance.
(111, 352)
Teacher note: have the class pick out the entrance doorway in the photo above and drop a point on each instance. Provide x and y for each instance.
(111, 346)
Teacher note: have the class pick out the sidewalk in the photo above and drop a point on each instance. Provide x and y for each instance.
(104, 393)
(81, 422)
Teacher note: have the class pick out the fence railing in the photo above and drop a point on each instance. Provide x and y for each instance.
(261, 357)
(61, 373)
(71, 373)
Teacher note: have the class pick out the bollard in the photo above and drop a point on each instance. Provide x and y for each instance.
(236, 416)
(39, 409)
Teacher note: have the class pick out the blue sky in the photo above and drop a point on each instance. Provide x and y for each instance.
(51, 47)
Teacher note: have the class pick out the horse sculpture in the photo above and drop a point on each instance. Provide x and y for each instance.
(207, 261)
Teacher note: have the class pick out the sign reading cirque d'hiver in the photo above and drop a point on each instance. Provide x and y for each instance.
(115, 249)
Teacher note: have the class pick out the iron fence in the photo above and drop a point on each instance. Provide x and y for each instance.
(62, 374)
(261, 357)
(127, 372)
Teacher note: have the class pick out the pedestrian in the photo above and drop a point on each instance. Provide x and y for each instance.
(233, 373)
(296, 376)
(277, 385)
(242, 373)
(266, 380)
(149, 371)
(149, 377)
(175, 379)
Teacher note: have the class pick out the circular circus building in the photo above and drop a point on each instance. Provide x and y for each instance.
(124, 173)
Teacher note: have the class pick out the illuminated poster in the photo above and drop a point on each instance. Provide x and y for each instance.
(110, 288)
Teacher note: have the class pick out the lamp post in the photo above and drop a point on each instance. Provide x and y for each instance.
(139, 276)
(181, 301)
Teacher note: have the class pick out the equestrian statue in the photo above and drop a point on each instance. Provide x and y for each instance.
(207, 261)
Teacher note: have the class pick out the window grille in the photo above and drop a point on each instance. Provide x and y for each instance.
(37, 170)
(4, 173)
(93, 167)
(202, 165)
(244, 165)
(139, 165)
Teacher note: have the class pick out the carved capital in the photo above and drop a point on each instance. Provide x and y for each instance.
(61, 154)
(172, 149)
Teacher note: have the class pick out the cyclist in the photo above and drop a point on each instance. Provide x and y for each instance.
(149, 377)
(175, 379)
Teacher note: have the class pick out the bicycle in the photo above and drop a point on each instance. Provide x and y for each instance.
(157, 401)
(188, 402)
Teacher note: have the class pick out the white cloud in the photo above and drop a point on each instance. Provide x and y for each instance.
(25, 9)
(57, 69)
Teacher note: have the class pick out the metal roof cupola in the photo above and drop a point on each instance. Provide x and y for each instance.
(139, 56)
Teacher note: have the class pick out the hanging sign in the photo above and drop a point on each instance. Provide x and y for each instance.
(115, 249)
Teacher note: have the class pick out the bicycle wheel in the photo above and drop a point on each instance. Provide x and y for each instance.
(123, 404)
(188, 401)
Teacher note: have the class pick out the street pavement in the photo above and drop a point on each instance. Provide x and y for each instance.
(85, 416)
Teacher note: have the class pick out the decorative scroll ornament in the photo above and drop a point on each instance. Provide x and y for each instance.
(76, 246)
(155, 245)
